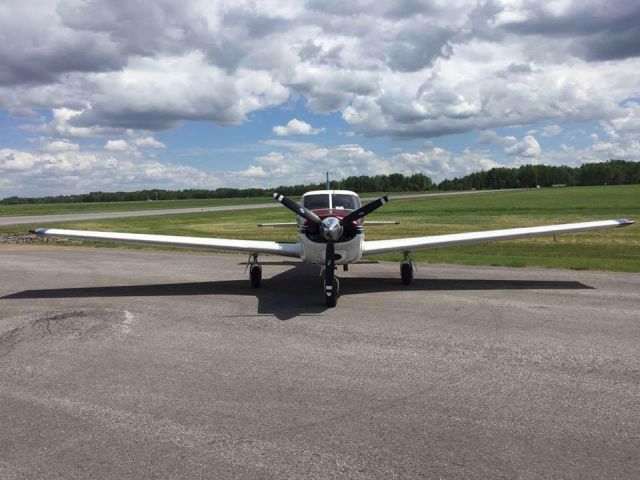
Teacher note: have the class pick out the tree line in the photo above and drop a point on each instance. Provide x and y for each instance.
(613, 172)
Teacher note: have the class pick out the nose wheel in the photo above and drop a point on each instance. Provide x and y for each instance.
(331, 292)
(406, 269)
(331, 284)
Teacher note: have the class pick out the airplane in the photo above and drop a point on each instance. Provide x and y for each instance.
(331, 233)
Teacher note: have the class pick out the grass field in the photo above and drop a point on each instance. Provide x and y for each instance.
(617, 249)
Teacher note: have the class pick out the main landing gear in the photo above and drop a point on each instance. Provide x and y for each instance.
(255, 271)
(406, 268)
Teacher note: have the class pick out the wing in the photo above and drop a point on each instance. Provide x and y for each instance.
(255, 246)
(421, 243)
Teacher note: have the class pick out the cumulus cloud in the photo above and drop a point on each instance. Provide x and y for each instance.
(305, 162)
(121, 71)
(29, 173)
(116, 145)
(417, 69)
(63, 145)
(288, 162)
(592, 30)
(528, 147)
(296, 127)
(148, 142)
(627, 124)
(490, 137)
(62, 125)
(36, 48)
(551, 130)
(598, 151)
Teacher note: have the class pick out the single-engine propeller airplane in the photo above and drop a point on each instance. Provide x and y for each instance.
(331, 227)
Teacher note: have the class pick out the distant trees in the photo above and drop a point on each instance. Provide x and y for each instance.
(613, 172)
(396, 182)
(141, 195)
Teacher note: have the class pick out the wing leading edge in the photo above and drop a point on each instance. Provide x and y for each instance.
(256, 246)
(421, 243)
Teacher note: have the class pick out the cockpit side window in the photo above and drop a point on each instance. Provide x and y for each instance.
(314, 202)
(343, 201)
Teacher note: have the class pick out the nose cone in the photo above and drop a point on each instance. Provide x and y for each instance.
(331, 229)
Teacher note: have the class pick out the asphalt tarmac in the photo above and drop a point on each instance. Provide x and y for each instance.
(130, 364)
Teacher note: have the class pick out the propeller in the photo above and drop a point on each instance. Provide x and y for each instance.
(364, 210)
(298, 209)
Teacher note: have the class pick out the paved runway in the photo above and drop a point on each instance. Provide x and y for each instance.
(118, 363)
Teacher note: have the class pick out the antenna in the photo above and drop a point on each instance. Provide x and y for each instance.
(328, 185)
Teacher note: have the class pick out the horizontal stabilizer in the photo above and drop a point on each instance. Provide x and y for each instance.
(277, 225)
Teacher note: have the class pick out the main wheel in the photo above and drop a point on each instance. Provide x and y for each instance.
(331, 297)
(256, 276)
(406, 273)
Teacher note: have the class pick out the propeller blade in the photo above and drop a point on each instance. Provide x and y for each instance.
(364, 210)
(329, 269)
(297, 208)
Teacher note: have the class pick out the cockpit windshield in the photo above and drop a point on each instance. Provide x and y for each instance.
(343, 201)
(314, 202)
(339, 201)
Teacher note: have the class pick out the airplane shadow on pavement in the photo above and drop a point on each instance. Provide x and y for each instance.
(296, 291)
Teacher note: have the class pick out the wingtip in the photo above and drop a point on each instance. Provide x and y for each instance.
(38, 231)
(624, 222)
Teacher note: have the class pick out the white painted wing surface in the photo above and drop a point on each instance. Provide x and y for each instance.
(421, 243)
(256, 246)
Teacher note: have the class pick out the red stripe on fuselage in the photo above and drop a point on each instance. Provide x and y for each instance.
(338, 213)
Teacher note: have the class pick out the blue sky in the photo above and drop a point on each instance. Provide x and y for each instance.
(122, 95)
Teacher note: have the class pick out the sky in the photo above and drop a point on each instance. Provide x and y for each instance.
(130, 94)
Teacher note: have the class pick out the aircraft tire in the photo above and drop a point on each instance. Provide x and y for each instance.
(332, 300)
(406, 273)
(256, 276)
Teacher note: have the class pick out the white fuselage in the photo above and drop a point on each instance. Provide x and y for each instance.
(314, 252)
(327, 203)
